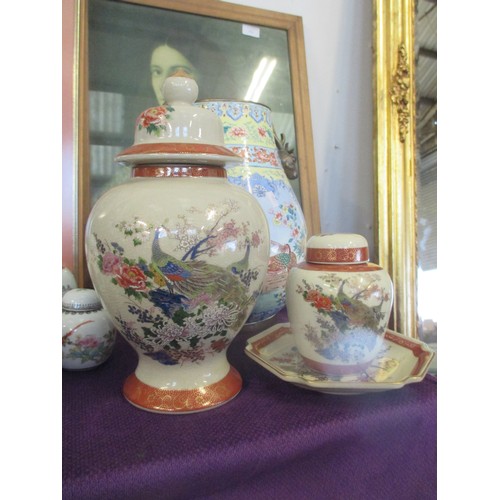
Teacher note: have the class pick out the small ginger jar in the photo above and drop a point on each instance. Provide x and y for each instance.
(68, 280)
(338, 305)
(178, 256)
(88, 334)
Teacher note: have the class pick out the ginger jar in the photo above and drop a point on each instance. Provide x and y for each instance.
(338, 305)
(249, 132)
(68, 280)
(88, 334)
(178, 255)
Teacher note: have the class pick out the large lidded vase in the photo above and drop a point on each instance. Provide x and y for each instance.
(248, 132)
(338, 305)
(178, 256)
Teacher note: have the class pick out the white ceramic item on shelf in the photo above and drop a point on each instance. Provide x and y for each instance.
(68, 280)
(178, 256)
(338, 304)
(88, 334)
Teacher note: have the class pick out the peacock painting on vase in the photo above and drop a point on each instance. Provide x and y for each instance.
(182, 306)
(351, 314)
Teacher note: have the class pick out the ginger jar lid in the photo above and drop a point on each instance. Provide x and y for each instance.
(178, 131)
(339, 248)
(81, 300)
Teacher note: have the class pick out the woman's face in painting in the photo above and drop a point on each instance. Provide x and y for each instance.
(165, 61)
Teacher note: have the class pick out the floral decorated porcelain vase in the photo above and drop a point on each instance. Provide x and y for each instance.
(249, 133)
(338, 305)
(178, 256)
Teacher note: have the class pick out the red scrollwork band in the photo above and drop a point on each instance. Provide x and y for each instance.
(343, 255)
(178, 171)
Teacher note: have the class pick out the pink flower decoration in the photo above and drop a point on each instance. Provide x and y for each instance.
(255, 239)
(111, 263)
(238, 132)
(89, 342)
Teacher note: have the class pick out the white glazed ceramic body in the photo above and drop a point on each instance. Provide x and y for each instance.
(339, 312)
(68, 280)
(179, 263)
(88, 336)
(248, 132)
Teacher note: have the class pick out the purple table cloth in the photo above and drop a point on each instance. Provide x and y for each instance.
(273, 441)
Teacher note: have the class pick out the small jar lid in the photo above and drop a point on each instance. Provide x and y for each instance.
(339, 248)
(81, 299)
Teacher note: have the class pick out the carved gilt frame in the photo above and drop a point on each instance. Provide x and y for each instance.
(220, 10)
(395, 153)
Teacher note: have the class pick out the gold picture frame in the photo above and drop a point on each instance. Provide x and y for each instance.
(394, 134)
(206, 9)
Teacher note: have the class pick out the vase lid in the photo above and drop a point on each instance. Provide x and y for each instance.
(81, 299)
(339, 248)
(178, 131)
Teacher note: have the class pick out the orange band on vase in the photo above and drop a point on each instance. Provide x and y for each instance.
(342, 255)
(178, 171)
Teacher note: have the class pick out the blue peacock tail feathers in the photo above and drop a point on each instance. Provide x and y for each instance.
(168, 302)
